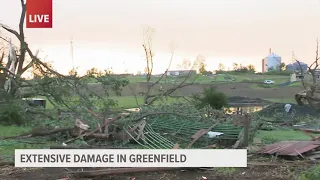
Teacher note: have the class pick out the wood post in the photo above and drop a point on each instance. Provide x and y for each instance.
(246, 127)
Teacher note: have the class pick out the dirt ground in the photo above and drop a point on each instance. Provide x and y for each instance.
(253, 173)
(230, 89)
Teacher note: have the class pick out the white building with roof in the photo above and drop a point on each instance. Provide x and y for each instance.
(272, 61)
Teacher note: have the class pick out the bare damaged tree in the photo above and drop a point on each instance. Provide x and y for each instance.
(56, 87)
(311, 92)
(19, 67)
(150, 96)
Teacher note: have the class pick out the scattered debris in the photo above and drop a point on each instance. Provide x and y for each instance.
(149, 130)
(290, 148)
(212, 134)
(287, 107)
(300, 111)
(204, 178)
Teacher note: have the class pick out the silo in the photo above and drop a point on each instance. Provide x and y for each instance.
(290, 67)
(273, 61)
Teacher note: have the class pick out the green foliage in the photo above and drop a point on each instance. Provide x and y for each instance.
(312, 174)
(10, 110)
(53, 87)
(279, 73)
(238, 69)
(10, 114)
(210, 97)
(202, 68)
(113, 83)
(269, 137)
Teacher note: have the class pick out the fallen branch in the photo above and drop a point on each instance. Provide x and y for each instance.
(10, 163)
(121, 171)
(96, 130)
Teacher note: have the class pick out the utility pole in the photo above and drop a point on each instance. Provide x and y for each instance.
(71, 53)
(293, 57)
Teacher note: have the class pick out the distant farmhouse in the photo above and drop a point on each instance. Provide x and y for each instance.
(298, 76)
(180, 72)
(271, 62)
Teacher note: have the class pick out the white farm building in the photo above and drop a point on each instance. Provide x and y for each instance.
(272, 61)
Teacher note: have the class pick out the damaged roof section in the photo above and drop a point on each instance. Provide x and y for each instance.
(290, 148)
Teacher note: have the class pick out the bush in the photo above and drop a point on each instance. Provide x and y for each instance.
(211, 97)
(10, 114)
(10, 110)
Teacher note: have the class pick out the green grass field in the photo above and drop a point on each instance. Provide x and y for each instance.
(295, 84)
(8, 146)
(268, 137)
(283, 100)
(217, 78)
(125, 102)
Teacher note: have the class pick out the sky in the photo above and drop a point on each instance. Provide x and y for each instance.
(109, 33)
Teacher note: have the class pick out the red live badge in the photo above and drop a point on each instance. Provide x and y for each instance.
(39, 14)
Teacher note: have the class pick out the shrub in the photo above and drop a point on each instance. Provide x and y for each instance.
(211, 97)
(10, 115)
(312, 174)
(10, 110)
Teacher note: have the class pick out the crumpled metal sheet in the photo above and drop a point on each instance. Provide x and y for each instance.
(290, 148)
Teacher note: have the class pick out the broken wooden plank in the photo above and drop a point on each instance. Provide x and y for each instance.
(196, 139)
(120, 171)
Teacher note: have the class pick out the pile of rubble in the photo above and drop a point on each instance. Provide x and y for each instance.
(161, 130)
(158, 128)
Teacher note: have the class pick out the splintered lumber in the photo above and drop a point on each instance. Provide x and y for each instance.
(239, 141)
(246, 126)
(200, 135)
(121, 171)
(39, 132)
(96, 130)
